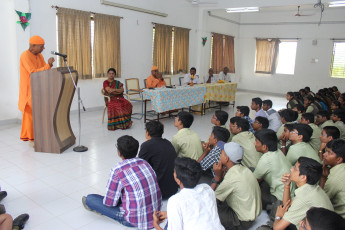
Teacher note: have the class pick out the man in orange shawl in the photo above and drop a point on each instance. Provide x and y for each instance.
(31, 61)
(155, 79)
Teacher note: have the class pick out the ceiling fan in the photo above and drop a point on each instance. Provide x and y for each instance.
(298, 13)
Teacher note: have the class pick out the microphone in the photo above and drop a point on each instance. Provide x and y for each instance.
(61, 55)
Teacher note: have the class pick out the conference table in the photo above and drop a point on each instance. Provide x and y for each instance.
(169, 99)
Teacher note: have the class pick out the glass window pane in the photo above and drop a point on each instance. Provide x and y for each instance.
(287, 57)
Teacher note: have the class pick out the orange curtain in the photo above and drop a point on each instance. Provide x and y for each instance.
(181, 50)
(266, 55)
(217, 53)
(229, 56)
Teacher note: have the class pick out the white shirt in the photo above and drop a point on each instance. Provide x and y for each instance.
(187, 79)
(274, 119)
(222, 76)
(193, 209)
(214, 78)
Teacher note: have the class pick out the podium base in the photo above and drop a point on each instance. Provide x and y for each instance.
(80, 148)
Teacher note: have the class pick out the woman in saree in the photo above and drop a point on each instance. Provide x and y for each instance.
(119, 109)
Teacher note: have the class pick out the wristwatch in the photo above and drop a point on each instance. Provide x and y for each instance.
(213, 181)
(278, 218)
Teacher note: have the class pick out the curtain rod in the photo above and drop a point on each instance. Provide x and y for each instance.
(154, 23)
(280, 38)
(56, 7)
(335, 39)
(222, 34)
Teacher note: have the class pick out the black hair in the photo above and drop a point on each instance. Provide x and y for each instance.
(244, 109)
(243, 124)
(332, 131)
(324, 113)
(305, 130)
(302, 91)
(292, 94)
(221, 133)
(267, 137)
(309, 117)
(263, 121)
(257, 100)
(309, 98)
(289, 115)
(128, 146)
(338, 147)
(307, 88)
(299, 108)
(154, 128)
(111, 69)
(339, 113)
(188, 171)
(234, 120)
(324, 219)
(193, 68)
(336, 103)
(222, 116)
(186, 119)
(289, 126)
(310, 168)
(268, 103)
(335, 88)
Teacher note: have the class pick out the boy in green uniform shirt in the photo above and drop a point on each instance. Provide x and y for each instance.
(308, 119)
(323, 119)
(338, 117)
(270, 167)
(238, 193)
(332, 180)
(300, 136)
(240, 128)
(288, 116)
(306, 173)
(186, 142)
(328, 134)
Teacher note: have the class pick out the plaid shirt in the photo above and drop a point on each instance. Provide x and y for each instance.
(134, 182)
(250, 123)
(212, 157)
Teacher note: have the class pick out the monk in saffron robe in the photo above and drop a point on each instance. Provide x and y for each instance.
(31, 61)
(155, 79)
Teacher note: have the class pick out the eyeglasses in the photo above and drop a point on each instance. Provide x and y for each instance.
(233, 125)
(256, 122)
(295, 132)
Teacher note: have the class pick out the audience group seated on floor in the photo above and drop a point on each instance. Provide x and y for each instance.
(288, 162)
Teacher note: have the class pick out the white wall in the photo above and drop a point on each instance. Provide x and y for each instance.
(315, 75)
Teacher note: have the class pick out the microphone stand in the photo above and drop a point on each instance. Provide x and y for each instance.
(78, 148)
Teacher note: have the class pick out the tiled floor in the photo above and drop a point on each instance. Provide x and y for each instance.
(49, 186)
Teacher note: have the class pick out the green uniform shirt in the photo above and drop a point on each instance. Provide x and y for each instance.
(301, 149)
(271, 167)
(187, 143)
(327, 123)
(315, 141)
(307, 196)
(240, 189)
(335, 188)
(250, 157)
(341, 126)
(280, 132)
(299, 117)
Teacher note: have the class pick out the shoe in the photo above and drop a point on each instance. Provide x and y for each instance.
(2, 209)
(3, 194)
(20, 220)
(87, 207)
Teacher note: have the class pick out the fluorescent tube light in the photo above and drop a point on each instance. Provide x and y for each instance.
(242, 9)
(337, 4)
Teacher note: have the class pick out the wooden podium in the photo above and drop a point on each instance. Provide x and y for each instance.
(52, 92)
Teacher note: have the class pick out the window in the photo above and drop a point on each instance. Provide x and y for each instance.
(338, 60)
(222, 53)
(170, 48)
(275, 56)
(287, 57)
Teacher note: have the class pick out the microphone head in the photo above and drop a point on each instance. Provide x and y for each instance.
(52, 52)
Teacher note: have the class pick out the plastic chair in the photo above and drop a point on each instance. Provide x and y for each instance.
(180, 79)
(134, 94)
(167, 81)
(105, 105)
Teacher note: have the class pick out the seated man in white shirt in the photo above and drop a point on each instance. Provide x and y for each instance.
(210, 78)
(224, 75)
(194, 207)
(192, 74)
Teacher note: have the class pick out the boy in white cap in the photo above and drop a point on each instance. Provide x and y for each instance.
(236, 188)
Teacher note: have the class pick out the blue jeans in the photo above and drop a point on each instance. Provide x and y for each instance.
(95, 202)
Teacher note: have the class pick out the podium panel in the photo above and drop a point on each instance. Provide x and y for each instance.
(52, 92)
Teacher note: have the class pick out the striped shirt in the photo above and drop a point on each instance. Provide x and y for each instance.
(133, 182)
